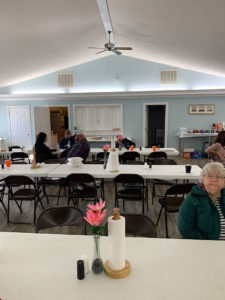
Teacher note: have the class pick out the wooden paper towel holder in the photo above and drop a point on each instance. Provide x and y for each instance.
(117, 274)
(34, 165)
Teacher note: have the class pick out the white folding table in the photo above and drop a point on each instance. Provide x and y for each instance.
(143, 152)
(156, 172)
(43, 266)
(25, 169)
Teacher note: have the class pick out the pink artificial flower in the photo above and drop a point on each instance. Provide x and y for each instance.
(98, 206)
(106, 147)
(119, 137)
(96, 213)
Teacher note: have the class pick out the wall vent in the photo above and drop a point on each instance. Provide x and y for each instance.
(168, 77)
(66, 80)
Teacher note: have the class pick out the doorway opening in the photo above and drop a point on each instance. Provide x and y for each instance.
(155, 125)
(52, 120)
(59, 122)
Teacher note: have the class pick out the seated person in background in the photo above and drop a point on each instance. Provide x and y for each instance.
(81, 148)
(42, 151)
(202, 213)
(68, 141)
(124, 142)
(217, 149)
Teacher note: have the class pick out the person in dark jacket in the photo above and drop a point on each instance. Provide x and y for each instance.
(42, 151)
(217, 149)
(125, 143)
(81, 148)
(68, 141)
(202, 214)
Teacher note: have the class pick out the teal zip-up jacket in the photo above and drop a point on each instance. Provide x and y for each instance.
(198, 217)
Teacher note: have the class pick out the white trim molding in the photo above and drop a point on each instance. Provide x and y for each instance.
(112, 95)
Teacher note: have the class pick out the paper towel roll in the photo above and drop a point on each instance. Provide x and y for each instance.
(116, 236)
(113, 142)
(113, 161)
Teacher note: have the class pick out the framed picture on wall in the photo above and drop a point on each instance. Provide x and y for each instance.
(201, 109)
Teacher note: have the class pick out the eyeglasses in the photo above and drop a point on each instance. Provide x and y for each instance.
(217, 177)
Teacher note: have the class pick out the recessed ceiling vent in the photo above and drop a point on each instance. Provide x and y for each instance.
(168, 77)
(66, 80)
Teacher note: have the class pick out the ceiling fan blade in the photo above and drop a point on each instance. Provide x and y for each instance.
(101, 51)
(117, 52)
(122, 48)
(95, 48)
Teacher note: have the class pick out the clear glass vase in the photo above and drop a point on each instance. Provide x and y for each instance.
(97, 263)
(105, 159)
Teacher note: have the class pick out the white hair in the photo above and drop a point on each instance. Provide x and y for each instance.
(213, 167)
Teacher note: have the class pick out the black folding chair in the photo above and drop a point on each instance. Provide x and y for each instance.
(173, 199)
(48, 181)
(129, 156)
(160, 182)
(137, 225)
(81, 186)
(22, 188)
(2, 193)
(20, 158)
(61, 216)
(130, 187)
(14, 147)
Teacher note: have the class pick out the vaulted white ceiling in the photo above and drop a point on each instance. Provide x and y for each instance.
(44, 36)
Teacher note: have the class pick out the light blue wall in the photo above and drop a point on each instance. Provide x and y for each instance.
(117, 73)
(120, 73)
(133, 115)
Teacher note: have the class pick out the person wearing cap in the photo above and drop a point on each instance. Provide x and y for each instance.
(68, 141)
(202, 213)
(81, 148)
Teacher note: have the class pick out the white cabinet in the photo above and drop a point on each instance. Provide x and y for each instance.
(100, 119)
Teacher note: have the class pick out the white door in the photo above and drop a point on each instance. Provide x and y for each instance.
(42, 122)
(19, 126)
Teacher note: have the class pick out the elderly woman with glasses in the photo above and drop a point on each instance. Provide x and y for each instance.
(202, 214)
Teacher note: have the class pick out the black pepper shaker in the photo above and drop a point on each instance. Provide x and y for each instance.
(80, 269)
(3, 166)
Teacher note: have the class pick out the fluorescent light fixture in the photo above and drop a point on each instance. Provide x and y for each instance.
(37, 92)
(206, 87)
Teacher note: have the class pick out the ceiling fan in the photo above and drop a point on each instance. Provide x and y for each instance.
(111, 47)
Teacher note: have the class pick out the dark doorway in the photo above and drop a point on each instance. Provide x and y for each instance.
(156, 125)
(59, 123)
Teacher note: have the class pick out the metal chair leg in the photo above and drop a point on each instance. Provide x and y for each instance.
(4, 206)
(103, 190)
(19, 206)
(45, 194)
(153, 192)
(159, 215)
(8, 213)
(35, 211)
(166, 224)
(59, 194)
